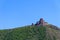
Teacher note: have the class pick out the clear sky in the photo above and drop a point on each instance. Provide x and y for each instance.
(17, 13)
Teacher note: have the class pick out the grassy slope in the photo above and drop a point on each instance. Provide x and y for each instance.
(24, 33)
(27, 33)
(54, 34)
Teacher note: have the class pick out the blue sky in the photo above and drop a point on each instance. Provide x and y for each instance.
(17, 13)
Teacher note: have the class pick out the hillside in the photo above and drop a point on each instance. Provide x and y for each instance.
(39, 31)
(24, 33)
(30, 33)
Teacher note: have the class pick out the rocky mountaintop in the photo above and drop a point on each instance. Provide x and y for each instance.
(39, 31)
(41, 22)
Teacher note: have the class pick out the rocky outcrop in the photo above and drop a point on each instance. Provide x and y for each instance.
(41, 22)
